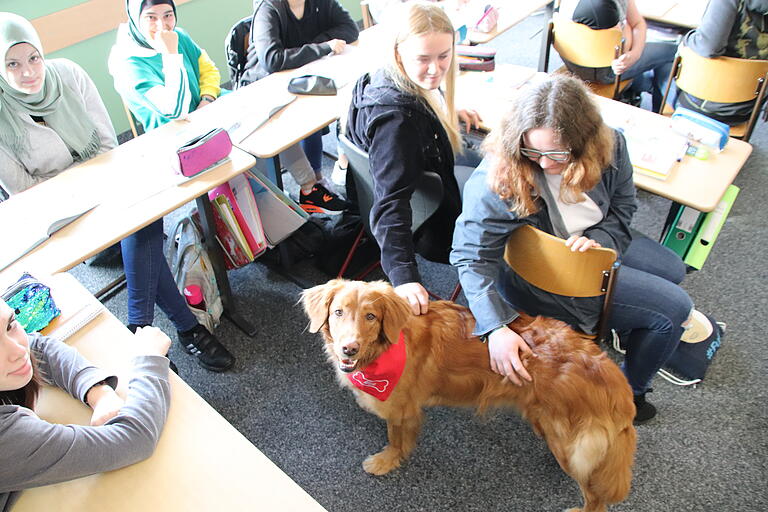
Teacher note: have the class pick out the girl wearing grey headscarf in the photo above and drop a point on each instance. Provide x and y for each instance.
(45, 131)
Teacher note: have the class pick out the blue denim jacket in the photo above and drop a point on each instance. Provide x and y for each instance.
(486, 221)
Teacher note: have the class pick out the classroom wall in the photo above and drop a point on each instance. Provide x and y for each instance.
(207, 21)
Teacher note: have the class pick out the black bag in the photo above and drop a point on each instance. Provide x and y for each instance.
(303, 243)
(689, 362)
(340, 233)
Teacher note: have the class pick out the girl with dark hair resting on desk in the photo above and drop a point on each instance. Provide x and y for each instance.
(52, 117)
(554, 164)
(34, 452)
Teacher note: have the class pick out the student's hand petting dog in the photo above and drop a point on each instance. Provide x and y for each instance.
(165, 42)
(581, 243)
(470, 118)
(416, 296)
(106, 404)
(505, 347)
(337, 45)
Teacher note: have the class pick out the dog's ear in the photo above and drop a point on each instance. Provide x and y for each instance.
(396, 313)
(316, 301)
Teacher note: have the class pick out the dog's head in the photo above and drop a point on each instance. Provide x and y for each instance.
(358, 320)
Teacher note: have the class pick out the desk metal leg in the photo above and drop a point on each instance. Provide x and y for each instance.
(545, 48)
(214, 253)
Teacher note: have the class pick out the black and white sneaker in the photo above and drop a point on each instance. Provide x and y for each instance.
(321, 200)
(207, 348)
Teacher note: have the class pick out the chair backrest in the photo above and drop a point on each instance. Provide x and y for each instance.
(136, 127)
(720, 79)
(544, 261)
(584, 46)
(236, 49)
(425, 200)
(368, 20)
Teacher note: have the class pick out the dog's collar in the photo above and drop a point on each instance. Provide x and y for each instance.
(379, 378)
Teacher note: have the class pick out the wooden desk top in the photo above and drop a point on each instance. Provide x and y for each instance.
(134, 185)
(692, 182)
(201, 463)
(302, 117)
(696, 183)
(680, 13)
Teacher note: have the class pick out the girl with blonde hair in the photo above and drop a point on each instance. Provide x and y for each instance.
(555, 165)
(408, 124)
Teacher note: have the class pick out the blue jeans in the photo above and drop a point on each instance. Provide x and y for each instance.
(649, 309)
(313, 148)
(149, 280)
(651, 71)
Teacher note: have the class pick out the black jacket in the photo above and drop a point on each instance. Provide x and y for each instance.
(280, 41)
(403, 138)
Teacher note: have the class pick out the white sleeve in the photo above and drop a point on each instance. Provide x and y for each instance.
(172, 99)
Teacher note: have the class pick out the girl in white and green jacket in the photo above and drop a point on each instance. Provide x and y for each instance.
(159, 71)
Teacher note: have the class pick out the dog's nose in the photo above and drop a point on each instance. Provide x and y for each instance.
(351, 349)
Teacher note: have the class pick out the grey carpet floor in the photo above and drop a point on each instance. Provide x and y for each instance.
(706, 450)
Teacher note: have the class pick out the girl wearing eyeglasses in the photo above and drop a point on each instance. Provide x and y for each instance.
(554, 164)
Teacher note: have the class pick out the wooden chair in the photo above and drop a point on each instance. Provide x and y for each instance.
(424, 203)
(545, 262)
(583, 46)
(366, 12)
(136, 127)
(722, 80)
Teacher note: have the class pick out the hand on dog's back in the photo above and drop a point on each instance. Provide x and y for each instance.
(416, 296)
(505, 347)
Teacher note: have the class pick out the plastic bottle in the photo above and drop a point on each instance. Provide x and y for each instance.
(194, 296)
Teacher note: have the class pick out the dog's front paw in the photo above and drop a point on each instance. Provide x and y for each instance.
(572, 510)
(383, 462)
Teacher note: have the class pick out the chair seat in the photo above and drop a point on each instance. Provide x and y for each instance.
(604, 90)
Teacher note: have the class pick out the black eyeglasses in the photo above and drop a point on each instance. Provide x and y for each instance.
(555, 156)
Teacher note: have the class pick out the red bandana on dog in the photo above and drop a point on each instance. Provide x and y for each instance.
(379, 378)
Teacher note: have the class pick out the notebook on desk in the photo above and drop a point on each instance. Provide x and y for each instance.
(78, 306)
(655, 155)
(42, 223)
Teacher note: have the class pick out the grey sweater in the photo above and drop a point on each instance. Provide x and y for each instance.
(34, 452)
(50, 155)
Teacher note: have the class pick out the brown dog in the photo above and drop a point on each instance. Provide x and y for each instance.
(579, 401)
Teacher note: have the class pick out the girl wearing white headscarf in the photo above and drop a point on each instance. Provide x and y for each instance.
(44, 131)
(159, 71)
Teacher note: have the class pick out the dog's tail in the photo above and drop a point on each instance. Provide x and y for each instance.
(601, 461)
